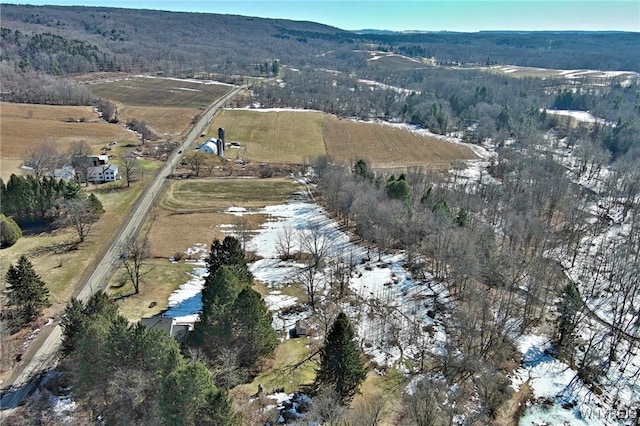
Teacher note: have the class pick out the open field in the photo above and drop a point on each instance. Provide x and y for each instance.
(385, 146)
(273, 136)
(548, 73)
(165, 122)
(192, 211)
(25, 126)
(149, 91)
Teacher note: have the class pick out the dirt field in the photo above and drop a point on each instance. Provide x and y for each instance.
(148, 91)
(276, 136)
(386, 146)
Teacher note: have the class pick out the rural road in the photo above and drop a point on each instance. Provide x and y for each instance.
(42, 353)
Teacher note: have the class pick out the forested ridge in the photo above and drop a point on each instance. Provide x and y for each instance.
(84, 39)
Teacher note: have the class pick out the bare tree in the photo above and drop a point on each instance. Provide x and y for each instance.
(285, 242)
(134, 254)
(109, 110)
(242, 230)
(316, 244)
(130, 170)
(42, 159)
(79, 149)
(196, 160)
(79, 213)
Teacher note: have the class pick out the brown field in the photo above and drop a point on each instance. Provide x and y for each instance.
(167, 123)
(24, 126)
(146, 91)
(388, 147)
(275, 136)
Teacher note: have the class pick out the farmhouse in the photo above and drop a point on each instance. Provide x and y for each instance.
(95, 169)
(103, 173)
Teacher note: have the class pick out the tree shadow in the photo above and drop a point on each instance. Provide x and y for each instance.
(55, 248)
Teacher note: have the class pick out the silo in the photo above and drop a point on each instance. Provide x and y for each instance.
(220, 147)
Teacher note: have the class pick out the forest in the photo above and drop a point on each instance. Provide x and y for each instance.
(545, 237)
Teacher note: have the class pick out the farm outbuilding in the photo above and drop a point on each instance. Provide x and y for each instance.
(212, 147)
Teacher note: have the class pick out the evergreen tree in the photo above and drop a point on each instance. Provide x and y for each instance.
(27, 293)
(228, 253)
(95, 204)
(189, 396)
(71, 322)
(400, 189)
(569, 307)
(253, 336)
(341, 365)
(361, 168)
(219, 293)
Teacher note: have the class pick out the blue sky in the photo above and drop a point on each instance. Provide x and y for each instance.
(425, 15)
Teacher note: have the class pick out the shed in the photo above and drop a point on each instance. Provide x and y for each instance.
(301, 329)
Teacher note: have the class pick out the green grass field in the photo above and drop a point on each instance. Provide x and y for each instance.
(146, 91)
(274, 136)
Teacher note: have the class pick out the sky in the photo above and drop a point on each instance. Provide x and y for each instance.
(401, 15)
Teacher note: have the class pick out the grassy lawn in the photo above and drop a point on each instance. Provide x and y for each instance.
(282, 136)
(278, 374)
(161, 280)
(57, 257)
(197, 194)
(195, 210)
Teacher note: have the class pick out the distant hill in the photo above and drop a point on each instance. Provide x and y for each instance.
(67, 40)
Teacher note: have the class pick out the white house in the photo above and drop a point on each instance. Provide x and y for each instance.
(103, 173)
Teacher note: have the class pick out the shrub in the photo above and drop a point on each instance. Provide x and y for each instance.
(10, 232)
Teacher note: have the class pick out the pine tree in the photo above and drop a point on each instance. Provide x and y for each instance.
(253, 336)
(341, 365)
(27, 293)
(228, 253)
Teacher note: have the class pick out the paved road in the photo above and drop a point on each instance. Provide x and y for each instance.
(42, 354)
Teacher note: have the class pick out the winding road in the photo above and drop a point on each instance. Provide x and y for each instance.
(42, 354)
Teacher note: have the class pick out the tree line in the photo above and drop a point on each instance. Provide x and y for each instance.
(47, 201)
